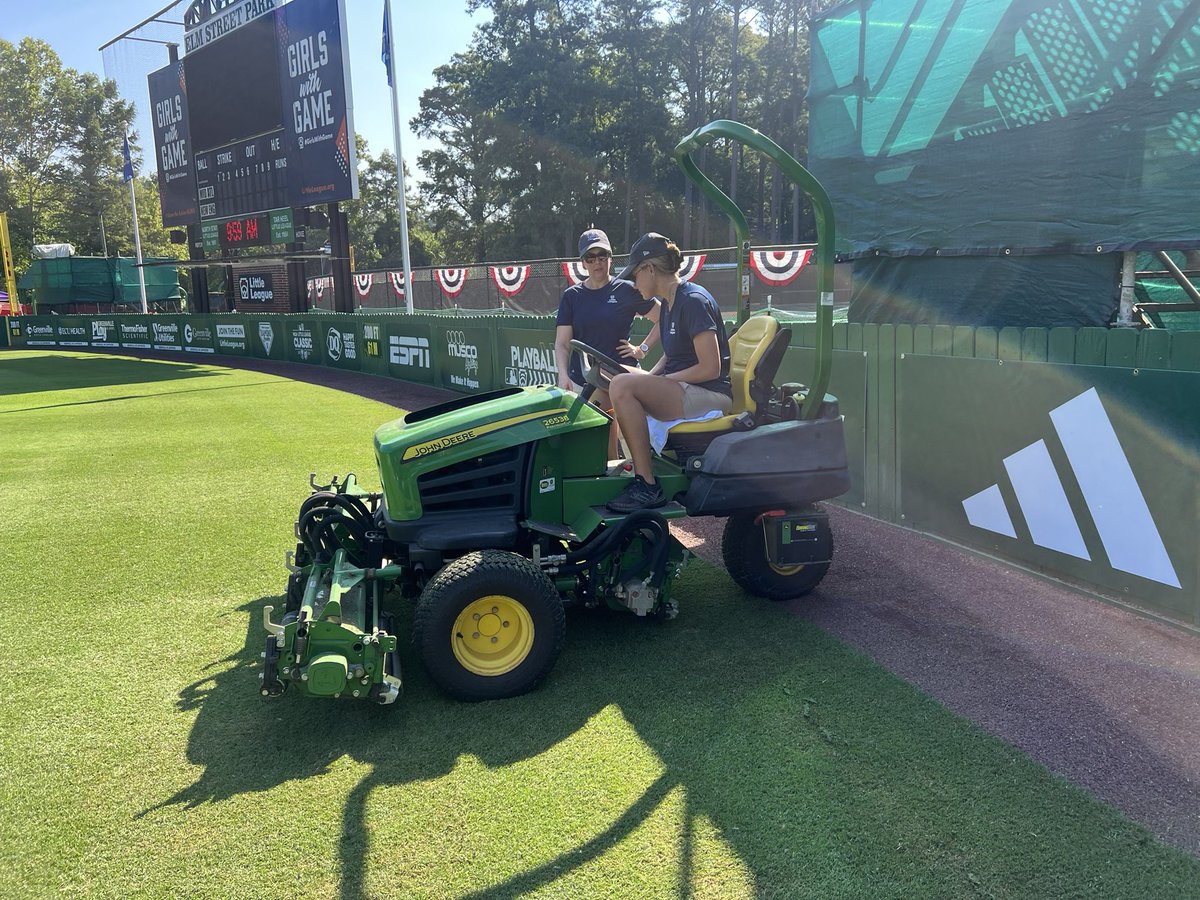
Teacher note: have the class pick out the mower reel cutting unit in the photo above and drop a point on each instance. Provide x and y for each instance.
(492, 515)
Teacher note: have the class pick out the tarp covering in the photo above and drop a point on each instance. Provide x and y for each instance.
(1009, 128)
(95, 279)
(999, 291)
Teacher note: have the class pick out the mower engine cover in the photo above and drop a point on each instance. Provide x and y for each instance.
(471, 457)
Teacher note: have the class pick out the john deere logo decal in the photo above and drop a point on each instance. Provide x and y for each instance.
(1106, 480)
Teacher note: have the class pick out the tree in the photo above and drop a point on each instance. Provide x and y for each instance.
(374, 221)
(60, 148)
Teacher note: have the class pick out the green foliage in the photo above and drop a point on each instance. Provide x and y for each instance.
(561, 115)
(60, 153)
(735, 752)
(373, 220)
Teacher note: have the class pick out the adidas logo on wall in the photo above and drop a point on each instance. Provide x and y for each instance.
(1118, 509)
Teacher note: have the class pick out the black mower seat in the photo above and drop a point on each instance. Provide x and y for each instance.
(747, 348)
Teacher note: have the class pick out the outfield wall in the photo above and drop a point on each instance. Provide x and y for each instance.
(1073, 452)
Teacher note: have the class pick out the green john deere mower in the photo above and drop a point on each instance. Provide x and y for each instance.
(492, 511)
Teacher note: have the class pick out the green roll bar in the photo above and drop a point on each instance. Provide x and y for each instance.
(743, 134)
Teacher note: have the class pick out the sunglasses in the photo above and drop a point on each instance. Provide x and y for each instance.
(592, 257)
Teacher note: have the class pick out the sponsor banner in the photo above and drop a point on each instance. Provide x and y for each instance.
(105, 333)
(173, 145)
(318, 110)
(1059, 467)
(198, 336)
(231, 337)
(305, 339)
(409, 348)
(343, 349)
(525, 358)
(266, 337)
(38, 332)
(166, 332)
(462, 357)
(133, 332)
(74, 331)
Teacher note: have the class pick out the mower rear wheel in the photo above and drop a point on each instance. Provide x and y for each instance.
(489, 625)
(744, 552)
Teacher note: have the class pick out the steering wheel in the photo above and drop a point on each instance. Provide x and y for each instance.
(598, 368)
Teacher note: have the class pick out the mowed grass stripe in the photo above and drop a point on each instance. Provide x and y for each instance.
(734, 752)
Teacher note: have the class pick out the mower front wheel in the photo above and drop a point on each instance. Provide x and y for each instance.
(489, 625)
(744, 552)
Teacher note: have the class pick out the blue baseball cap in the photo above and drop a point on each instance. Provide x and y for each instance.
(591, 239)
(646, 247)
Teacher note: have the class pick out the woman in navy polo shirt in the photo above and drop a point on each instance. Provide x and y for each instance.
(599, 312)
(691, 379)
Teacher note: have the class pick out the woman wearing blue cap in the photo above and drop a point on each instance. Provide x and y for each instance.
(691, 379)
(599, 312)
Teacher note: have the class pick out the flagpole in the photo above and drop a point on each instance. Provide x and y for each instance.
(137, 235)
(391, 67)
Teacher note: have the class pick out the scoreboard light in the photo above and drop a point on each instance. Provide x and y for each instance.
(247, 231)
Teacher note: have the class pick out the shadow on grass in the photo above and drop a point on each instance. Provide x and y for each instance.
(64, 371)
(816, 768)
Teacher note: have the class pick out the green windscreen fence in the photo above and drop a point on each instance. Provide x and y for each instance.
(1038, 140)
(97, 279)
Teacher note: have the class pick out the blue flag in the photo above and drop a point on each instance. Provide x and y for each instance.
(128, 162)
(386, 53)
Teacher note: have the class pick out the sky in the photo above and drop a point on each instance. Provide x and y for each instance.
(426, 36)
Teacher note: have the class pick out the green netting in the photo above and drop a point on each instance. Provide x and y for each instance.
(92, 279)
(1008, 125)
(1153, 290)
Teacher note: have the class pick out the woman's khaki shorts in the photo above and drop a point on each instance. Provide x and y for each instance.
(697, 401)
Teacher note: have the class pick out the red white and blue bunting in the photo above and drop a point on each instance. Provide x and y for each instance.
(575, 271)
(321, 284)
(397, 281)
(510, 279)
(362, 284)
(691, 266)
(452, 281)
(779, 267)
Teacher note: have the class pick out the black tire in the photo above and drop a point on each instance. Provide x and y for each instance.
(499, 591)
(744, 551)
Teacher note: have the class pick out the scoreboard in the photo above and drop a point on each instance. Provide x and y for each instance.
(244, 177)
(256, 119)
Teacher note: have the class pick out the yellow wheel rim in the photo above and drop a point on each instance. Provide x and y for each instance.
(785, 571)
(493, 635)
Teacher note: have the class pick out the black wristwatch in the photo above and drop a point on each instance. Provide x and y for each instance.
(645, 348)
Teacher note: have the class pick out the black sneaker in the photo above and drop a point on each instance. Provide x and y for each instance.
(638, 495)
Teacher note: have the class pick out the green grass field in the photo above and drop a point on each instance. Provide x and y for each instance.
(735, 752)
